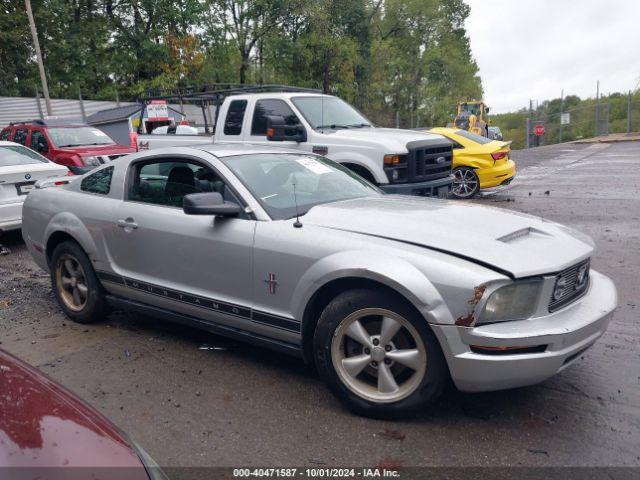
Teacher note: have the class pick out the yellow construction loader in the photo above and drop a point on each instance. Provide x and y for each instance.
(473, 116)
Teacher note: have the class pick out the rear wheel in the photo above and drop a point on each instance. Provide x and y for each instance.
(76, 285)
(465, 183)
(377, 355)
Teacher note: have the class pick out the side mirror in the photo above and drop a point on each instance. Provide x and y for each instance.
(209, 203)
(279, 131)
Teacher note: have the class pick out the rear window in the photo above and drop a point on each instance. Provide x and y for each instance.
(473, 137)
(5, 134)
(235, 117)
(11, 155)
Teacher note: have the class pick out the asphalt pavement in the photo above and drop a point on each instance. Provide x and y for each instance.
(195, 399)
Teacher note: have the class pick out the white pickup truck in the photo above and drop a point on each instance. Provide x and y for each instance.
(398, 161)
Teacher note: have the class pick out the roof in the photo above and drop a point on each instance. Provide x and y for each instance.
(17, 109)
(110, 115)
(222, 150)
(278, 95)
(53, 122)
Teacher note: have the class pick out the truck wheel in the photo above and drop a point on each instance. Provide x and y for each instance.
(76, 285)
(465, 183)
(377, 355)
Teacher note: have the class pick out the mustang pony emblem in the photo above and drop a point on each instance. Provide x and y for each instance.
(272, 282)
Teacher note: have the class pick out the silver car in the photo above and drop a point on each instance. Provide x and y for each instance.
(389, 296)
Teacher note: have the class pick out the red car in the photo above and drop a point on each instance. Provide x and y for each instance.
(65, 142)
(45, 430)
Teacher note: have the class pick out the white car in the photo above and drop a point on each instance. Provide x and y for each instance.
(20, 169)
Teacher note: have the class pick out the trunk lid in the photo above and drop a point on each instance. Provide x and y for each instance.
(16, 181)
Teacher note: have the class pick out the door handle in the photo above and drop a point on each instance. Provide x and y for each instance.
(127, 223)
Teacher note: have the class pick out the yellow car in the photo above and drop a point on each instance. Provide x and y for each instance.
(478, 162)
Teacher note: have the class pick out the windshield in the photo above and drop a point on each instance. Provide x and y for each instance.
(330, 113)
(473, 137)
(76, 136)
(271, 179)
(11, 155)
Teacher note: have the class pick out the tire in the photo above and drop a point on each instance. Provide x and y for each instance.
(466, 183)
(362, 383)
(75, 284)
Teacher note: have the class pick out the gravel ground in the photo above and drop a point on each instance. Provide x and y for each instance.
(239, 405)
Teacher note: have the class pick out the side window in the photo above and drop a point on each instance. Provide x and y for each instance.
(266, 108)
(38, 142)
(20, 136)
(235, 116)
(5, 134)
(166, 182)
(99, 182)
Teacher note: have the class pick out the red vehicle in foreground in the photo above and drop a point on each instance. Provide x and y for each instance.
(65, 142)
(47, 432)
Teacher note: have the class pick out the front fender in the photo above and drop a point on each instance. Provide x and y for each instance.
(395, 273)
(356, 158)
(68, 223)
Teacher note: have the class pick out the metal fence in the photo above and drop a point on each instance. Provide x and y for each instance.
(601, 117)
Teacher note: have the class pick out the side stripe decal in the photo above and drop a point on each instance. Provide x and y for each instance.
(239, 311)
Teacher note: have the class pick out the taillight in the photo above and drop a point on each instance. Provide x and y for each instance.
(499, 155)
(133, 140)
(61, 182)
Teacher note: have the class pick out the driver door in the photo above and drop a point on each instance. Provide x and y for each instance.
(198, 265)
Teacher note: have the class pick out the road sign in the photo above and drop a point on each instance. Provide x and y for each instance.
(565, 118)
(538, 130)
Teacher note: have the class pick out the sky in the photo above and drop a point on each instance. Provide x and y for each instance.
(534, 49)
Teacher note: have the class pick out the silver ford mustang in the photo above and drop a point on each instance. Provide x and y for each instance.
(389, 296)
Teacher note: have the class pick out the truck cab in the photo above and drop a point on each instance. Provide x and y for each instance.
(398, 161)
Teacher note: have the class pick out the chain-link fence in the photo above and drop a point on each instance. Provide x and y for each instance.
(609, 115)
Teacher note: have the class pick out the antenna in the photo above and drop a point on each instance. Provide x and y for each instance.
(297, 223)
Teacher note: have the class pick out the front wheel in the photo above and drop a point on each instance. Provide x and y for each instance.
(377, 355)
(466, 183)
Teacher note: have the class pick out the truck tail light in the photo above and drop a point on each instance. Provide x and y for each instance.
(133, 140)
(498, 155)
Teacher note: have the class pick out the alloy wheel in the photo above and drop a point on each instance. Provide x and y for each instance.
(379, 355)
(71, 282)
(465, 183)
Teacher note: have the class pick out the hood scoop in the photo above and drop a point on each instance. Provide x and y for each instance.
(521, 234)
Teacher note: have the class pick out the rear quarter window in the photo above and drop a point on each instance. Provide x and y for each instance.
(99, 182)
(20, 136)
(4, 135)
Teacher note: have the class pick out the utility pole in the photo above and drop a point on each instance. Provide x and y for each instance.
(36, 44)
(597, 106)
(561, 112)
(629, 113)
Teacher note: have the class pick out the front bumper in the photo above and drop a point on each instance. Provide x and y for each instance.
(567, 333)
(426, 189)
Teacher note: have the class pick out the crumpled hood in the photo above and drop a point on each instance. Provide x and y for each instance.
(389, 137)
(517, 244)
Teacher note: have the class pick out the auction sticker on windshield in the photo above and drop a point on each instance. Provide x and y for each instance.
(314, 165)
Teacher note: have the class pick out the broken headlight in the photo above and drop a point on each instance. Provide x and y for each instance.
(515, 301)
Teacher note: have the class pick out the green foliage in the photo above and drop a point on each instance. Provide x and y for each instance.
(397, 60)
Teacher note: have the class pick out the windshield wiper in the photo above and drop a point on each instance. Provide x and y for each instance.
(359, 125)
(332, 127)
